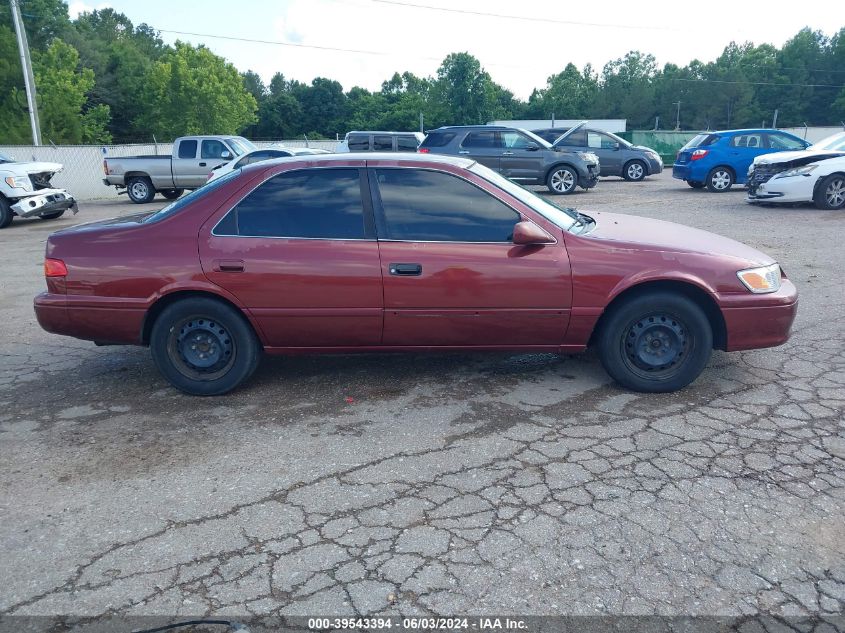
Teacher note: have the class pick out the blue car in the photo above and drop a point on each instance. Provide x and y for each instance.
(717, 160)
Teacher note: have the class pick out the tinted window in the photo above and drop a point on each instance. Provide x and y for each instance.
(212, 149)
(382, 143)
(781, 141)
(188, 149)
(481, 140)
(438, 139)
(359, 143)
(407, 143)
(432, 206)
(317, 203)
(701, 140)
(577, 139)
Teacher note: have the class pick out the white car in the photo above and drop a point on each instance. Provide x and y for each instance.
(26, 191)
(257, 155)
(816, 175)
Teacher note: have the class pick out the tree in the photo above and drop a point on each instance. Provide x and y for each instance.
(570, 94)
(461, 91)
(190, 90)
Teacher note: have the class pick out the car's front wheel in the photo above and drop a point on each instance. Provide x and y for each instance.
(172, 194)
(634, 171)
(830, 194)
(204, 347)
(6, 213)
(655, 342)
(562, 180)
(720, 179)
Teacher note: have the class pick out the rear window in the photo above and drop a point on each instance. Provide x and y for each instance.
(174, 207)
(701, 140)
(407, 143)
(438, 139)
(382, 143)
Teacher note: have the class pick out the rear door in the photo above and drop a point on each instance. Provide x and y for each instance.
(522, 158)
(299, 252)
(452, 276)
(484, 147)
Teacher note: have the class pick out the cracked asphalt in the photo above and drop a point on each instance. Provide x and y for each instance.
(452, 484)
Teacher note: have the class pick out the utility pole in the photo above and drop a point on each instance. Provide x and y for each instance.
(28, 78)
(678, 119)
(422, 125)
(775, 119)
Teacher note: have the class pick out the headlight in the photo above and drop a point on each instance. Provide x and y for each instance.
(761, 280)
(588, 156)
(798, 171)
(19, 182)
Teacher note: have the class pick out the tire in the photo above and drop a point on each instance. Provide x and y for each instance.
(187, 329)
(830, 194)
(655, 342)
(634, 171)
(172, 194)
(140, 189)
(562, 180)
(695, 184)
(6, 213)
(720, 179)
(53, 215)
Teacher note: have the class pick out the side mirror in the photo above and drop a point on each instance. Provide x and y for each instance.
(225, 154)
(525, 233)
(616, 147)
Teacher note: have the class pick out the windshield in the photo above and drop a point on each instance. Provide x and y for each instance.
(564, 218)
(177, 205)
(240, 145)
(831, 143)
(537, 139)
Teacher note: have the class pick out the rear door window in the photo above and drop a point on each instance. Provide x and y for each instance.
(751, 141)
(359, 143)
(481, 140)
(309, 203)
(382, 143)
(187, 149)
(429, 206)
(407, 143)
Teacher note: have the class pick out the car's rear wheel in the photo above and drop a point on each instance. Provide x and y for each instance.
(562, 180)
(52, 216)
(695, 184)
(172, 194)
(140, 189)
(830, 194)
(655, 342)
(203, 346)
(6, 213)
(634, 171)
(720, 179)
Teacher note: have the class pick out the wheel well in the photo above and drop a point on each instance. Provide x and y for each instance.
(636, 160)
(822, 178)
(696, 294)
(135, 174)
(728, 167)
(556, 165)
(169, 299)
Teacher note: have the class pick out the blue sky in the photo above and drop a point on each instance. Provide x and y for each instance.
(520, 52)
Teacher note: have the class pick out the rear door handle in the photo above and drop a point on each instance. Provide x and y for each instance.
(202, 164)
(507, 153)
(463, 151)
(406, 270)
(228, 265)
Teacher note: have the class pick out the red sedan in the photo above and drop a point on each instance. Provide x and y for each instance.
(405, 253)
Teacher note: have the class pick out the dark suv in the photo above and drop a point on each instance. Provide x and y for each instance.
(516, 154)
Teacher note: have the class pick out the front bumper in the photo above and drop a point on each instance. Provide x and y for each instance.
(654, 166)
(44, 201)
(761, 320)
(791, 189)
(589, 178)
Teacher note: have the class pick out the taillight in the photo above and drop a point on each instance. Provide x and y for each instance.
(699, 153)
(105, 167)
(54, 268)
(423, 150)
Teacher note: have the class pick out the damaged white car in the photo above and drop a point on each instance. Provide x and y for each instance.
(25, 191)
(816, 175)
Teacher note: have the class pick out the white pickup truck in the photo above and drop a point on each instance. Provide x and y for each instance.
(25, 191)
(193, 159)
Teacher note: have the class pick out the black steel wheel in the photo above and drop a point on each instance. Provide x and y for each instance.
(172, 194)
(204, 347)
(53, 215)
(6, 213)
(655, 342)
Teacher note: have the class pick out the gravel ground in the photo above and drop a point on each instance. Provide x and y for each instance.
(461, 484)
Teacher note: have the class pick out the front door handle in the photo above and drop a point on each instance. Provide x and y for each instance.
(463, 151)
(507, 153)
(406, 270)
(228, 265)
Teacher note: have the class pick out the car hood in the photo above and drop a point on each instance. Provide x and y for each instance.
(796, 158)
(32, 168)
(658, 235)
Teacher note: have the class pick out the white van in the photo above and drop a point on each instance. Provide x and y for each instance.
(380, 142)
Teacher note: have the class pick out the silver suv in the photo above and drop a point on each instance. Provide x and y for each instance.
(517, 154)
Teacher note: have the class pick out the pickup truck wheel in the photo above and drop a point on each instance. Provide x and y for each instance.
(562, 179)
(52, 216)
(6, 213)
(140, 189)
(204, 347)
(172, 194)
(656, 342)
(634, 171)
(830, 194)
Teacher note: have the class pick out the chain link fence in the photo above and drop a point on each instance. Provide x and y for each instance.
(83, 173)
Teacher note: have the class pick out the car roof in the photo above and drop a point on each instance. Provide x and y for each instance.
(375, 157)
(384, 132)
(471, 127)
(750, 130)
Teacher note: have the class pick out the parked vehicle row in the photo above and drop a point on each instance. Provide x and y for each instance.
(26, 191)
(410, 252)
(258, 155)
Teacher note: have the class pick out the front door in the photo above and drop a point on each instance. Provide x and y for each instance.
(453, 277)
(522, 157)
(298, 254)
(610, 153)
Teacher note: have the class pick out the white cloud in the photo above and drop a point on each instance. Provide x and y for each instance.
(77, 7)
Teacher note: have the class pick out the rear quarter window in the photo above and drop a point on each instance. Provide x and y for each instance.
(701, 140)
(438, 139)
